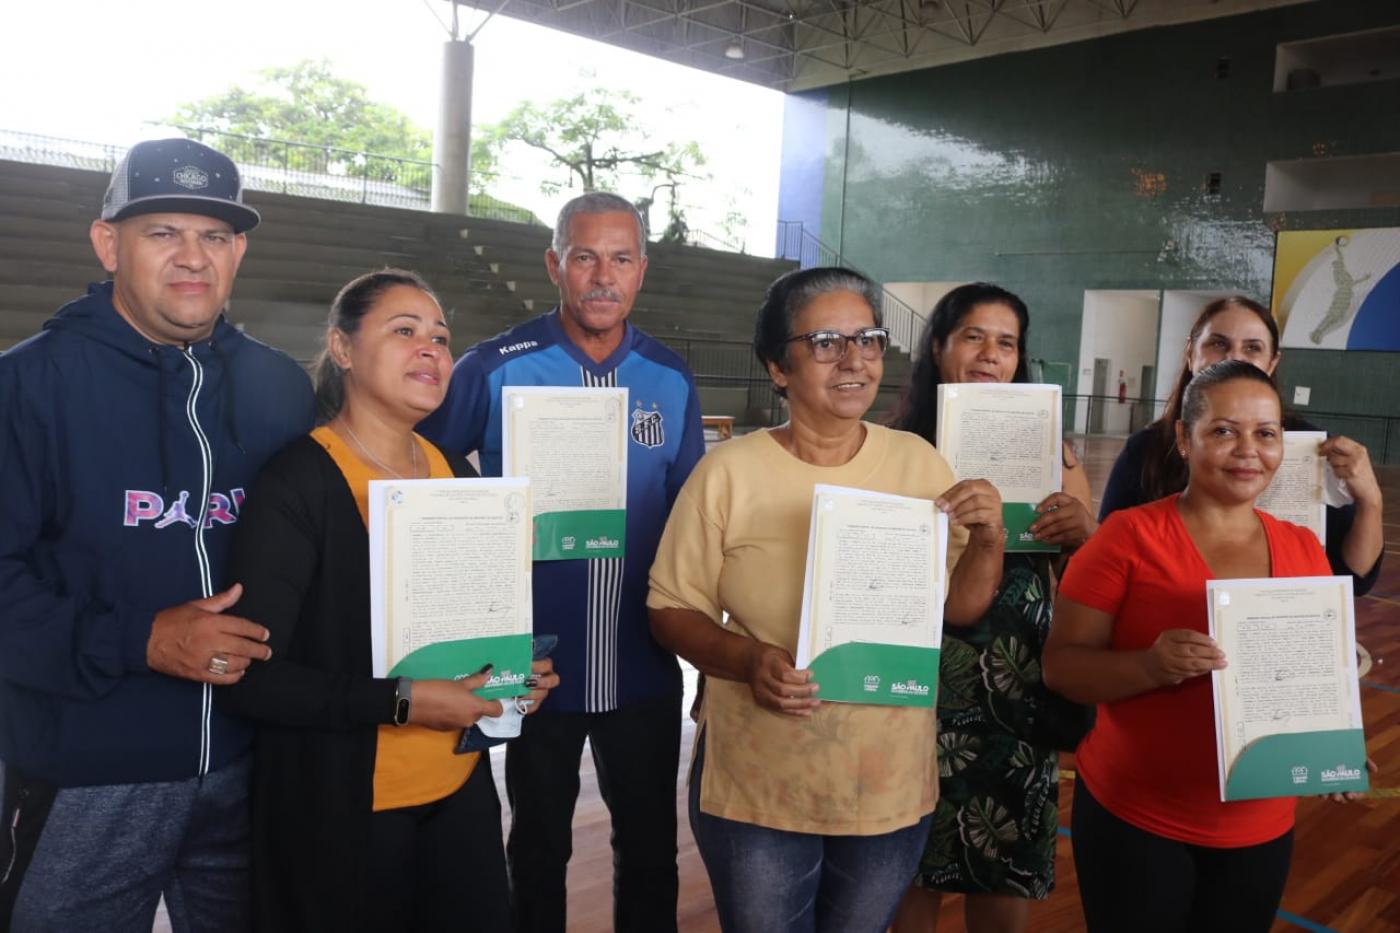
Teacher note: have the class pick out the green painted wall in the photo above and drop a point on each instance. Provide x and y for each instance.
(1071, 168)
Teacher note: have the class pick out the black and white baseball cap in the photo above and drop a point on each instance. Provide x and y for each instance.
(178, 176)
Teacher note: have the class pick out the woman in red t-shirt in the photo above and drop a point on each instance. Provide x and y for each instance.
(1154, 847)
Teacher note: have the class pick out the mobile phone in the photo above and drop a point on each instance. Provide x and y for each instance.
(473, 739)
(542, 645)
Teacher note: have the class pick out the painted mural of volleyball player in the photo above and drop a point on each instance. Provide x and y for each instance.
(1343, 299)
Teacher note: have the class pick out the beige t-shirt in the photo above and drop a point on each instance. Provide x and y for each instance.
(737, 542)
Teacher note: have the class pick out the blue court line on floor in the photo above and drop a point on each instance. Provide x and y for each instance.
(1283, 915)
(1374, 685)
(1303, 922)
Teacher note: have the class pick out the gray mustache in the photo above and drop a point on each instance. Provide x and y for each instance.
(597, 293)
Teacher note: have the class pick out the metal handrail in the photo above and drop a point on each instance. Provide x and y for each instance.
(348, 156)
(37, 149)
(722, 359)
(321, 171)
(314, 170)
(709, 241)
(797, 243)
(284, 166)
(1380, 434)
(351, 155)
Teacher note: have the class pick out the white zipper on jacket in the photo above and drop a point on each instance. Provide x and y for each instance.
(14, 845)
(206, 583)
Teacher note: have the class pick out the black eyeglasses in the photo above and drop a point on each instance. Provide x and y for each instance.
(829, 346)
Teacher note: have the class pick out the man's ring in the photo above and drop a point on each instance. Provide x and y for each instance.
(218, 664)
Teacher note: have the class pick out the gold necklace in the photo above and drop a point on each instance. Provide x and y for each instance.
(412, 453)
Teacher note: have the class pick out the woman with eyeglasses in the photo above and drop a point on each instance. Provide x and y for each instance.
(993, 833)
(809, 816)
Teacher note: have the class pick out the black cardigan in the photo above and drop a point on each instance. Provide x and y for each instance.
(302, 554)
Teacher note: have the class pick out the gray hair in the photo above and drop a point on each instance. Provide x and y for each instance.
(595, 202)
(793, 291)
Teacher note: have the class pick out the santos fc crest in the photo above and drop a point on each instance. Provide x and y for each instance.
(647, 429)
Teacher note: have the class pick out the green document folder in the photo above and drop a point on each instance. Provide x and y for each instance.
(1016, 517)
(875, 579)
(1291, 683)
(884, 675)
(1299, 764)
(508, 655)
(579, 535)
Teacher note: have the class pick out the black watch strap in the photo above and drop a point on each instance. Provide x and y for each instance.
(403, 700)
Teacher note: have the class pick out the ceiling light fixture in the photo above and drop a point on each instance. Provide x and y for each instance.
(734, 51)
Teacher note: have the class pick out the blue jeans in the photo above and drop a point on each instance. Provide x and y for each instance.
(774, 881)
(99, 858)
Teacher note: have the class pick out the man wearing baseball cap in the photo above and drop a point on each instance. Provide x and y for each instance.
(132, 424)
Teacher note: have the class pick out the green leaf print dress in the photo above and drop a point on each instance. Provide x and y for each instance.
(994, 828)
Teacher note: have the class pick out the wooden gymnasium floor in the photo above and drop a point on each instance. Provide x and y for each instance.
(1346, 862)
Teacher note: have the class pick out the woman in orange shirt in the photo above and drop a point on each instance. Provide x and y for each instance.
(1154, 847)
(363, 816)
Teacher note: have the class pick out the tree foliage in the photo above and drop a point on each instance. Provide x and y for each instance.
(307, 103)
(596, 135)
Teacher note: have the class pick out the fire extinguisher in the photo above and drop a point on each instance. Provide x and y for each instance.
(1122, 389)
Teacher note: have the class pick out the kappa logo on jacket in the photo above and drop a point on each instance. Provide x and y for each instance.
(142, 505)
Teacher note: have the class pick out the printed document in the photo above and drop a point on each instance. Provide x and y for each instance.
(876, 578)
(1009, 434)
(1296, 492)
(449, 562)
(1290, 684)
(572, 445)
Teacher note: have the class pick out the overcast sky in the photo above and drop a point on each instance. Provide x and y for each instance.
(99, 69)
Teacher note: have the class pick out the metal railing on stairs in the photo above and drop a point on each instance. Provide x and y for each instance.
(37, 149)
(332, 173)
(797, 243)
(1109, 416)
(710, 241)
(286, 167)
(732, 364)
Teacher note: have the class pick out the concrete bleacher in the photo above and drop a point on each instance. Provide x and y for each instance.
(489, 274)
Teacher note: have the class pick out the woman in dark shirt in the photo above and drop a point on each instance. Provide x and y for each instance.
(1149, 467)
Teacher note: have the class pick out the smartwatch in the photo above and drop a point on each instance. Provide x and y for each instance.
(403, 700)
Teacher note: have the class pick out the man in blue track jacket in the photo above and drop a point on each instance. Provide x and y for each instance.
(131, 426)
(618, 688)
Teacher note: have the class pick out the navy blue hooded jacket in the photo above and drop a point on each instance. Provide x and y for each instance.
(123, 466)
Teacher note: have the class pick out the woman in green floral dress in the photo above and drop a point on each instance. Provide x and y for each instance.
(993, 833)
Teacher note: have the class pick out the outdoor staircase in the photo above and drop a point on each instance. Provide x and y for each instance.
(489, 275)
